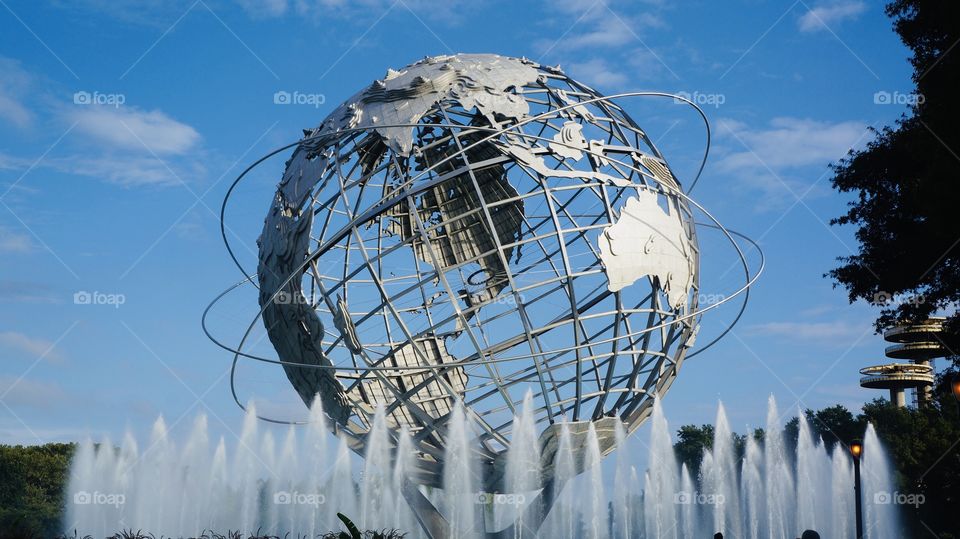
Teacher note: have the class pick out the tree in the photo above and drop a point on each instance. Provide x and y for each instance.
(32, 485)
(691, 442)
(922, 444)
(837, 425)
(906, 183)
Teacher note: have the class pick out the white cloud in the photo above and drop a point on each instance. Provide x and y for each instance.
(123, 168)
(130, 170)
(14, 83)
(26, 292)
(14, 241)
(769, 160)
(130, 146)
(814, 332)
(588, 30)
(33, 347)
(597, 25)
(24, 393)
(159, 14)
(129, 128)
(606, 34)
(824, 16)
(325, 10)
(136, 147)
(597, 73)
(264, 8)
(786, 143)
(12, 110)
(645, 65)
(15, 433)
(578, 7)
(821, 310)
(192, 226)
(12, 162)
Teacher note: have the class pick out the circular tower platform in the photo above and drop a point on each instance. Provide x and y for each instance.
(896, 377)
(925, 330)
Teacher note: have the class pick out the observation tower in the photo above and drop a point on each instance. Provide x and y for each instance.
(919, 343)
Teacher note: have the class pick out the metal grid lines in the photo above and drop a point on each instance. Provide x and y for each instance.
(476, 228)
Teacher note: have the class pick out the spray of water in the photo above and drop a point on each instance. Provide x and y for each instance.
(767, 490)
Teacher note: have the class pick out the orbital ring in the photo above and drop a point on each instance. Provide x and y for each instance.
(697, 313)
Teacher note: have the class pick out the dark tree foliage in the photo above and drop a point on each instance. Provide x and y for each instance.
(32, 483)
(906, 182)
(923, 445)
(833, 425)
(692, 441)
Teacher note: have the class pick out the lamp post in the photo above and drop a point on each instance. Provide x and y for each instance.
(955, 389)
(856, 450)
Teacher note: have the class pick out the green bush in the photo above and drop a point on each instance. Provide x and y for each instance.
(32, 484)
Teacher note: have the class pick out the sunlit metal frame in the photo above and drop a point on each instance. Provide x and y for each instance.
(632, 405)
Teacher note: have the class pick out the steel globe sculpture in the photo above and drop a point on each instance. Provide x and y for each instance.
(481, 230)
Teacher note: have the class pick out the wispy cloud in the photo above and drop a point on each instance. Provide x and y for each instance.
(450, 11)
(592, 25)
(787, 142)
(597, 73)
(14, 241)
(122, 145)
(14, 82)
(644, 64)
(814, 332)
(605, 44)
(605, 34)
(33, 347)
(123, 168)
(129, 128)
(826, 15)
(264, 8)
(785, 159)
(12, 162)
(156, 13)
(131, 170)
(25, 393)
(27, 292)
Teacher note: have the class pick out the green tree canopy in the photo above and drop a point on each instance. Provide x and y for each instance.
(32, 484)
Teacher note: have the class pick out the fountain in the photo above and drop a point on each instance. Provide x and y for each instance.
(181, 490)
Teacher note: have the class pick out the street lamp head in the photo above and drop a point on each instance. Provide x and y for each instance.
(955, 386)
(856, 448)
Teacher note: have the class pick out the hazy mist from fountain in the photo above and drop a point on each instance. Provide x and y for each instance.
(300, 484)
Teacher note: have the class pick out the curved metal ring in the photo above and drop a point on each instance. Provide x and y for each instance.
(494, 132)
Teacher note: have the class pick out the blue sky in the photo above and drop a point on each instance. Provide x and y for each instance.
(119, 194)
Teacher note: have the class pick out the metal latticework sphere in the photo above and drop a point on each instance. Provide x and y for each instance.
(473, 228)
